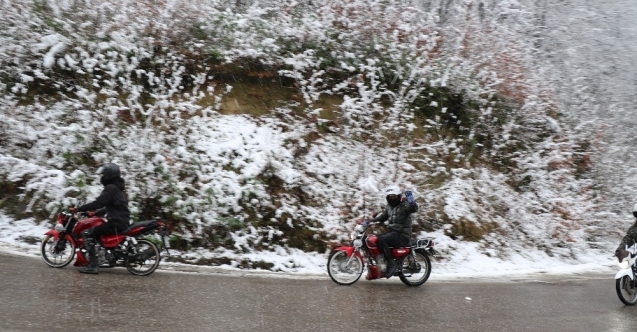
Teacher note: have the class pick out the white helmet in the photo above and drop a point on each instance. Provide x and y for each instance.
(394, 190)
(393, 195)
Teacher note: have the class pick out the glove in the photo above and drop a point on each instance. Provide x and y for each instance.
(621, 254)
(91, 213)
(410, 197)
(73, 210)
(366, 223)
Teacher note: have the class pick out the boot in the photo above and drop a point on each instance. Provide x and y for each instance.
(391, 268)
(391, 265)
(89, 242)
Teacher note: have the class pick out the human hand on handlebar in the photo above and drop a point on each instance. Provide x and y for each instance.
(73, 210)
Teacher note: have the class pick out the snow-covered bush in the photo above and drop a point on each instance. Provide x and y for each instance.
(147, 85)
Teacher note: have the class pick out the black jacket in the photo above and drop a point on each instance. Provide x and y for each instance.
(114, 200)
(398, 217)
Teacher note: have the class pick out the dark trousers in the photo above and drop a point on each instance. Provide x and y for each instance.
(391, 239)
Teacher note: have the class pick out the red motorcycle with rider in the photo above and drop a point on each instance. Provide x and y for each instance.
(110, 242)
(385, 255)
(134, 248)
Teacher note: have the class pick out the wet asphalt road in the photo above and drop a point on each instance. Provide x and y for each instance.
(35, 297)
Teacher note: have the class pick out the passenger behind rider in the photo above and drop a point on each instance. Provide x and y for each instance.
(397, 213)
(114, 202)
(629, 239)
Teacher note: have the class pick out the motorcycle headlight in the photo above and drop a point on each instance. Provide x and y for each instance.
(58, 227)
(358, 243)
(623, 264)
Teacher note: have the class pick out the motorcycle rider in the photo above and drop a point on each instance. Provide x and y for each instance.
(397, 213)
(629, 239)
(114, 202)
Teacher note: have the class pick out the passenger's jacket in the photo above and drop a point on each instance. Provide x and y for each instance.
(398, 218)
(114, 200)
(630, 237)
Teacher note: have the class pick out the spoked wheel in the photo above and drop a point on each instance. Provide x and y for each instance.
(144, 260)
(626, 290)
(340, 271)
(57, 253)
(416, 269)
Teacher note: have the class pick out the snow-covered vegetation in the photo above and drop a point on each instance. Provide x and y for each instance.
(259, 127)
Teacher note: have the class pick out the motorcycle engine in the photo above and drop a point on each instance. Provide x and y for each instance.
(380, 262)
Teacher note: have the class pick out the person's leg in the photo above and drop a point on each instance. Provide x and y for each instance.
(105, 229)
(383, 245)
(89, 244)
(392, 239)
(91, 238)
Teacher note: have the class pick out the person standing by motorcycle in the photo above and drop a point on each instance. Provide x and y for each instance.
(628, 239)
(397, 213)
(114, 202)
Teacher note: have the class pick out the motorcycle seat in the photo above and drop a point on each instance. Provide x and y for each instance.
(140, 224)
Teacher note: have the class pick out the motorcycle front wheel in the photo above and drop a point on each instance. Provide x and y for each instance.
(416, 269)
(340, 271)
(144, 260)
(57, 253)
(626, 290)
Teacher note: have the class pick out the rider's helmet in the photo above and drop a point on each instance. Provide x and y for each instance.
(393, 195)
(635, 210)
(108, 171)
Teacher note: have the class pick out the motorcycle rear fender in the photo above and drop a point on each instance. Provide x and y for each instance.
(625, 272)
(349, 251)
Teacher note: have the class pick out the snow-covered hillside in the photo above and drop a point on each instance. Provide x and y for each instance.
(452, 104)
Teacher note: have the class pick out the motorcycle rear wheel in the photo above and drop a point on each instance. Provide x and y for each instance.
(143, 266)
(340, 272)
(416, 269)
(54, 257)
(626, 290)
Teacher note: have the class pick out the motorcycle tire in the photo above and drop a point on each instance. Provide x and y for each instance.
(626, 290)
(340, 272)
(54, 256)
(144, 260)
(415, 269)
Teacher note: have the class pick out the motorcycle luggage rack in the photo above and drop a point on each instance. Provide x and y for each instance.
(422, 243)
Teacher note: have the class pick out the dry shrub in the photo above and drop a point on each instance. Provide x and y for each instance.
(469, 230)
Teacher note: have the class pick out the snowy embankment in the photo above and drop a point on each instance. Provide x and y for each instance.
(464, 263)
(453, 115)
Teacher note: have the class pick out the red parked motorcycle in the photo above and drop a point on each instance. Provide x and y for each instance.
(130, 249)
(346, 263)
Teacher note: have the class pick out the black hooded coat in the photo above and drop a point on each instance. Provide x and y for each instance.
(114, 201)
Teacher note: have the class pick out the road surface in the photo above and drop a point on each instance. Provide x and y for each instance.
(35, 297)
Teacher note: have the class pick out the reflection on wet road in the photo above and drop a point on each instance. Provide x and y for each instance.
(38, 298)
